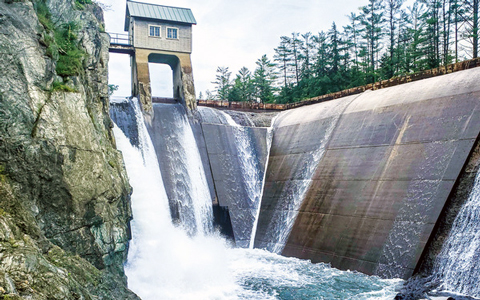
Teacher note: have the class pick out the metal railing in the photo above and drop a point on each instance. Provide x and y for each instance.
(120, 38)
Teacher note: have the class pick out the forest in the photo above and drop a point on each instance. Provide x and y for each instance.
(384, 39)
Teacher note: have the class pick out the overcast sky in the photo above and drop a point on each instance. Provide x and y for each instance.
(230, 33)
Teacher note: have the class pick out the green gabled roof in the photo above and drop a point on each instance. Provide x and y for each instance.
(158, 12)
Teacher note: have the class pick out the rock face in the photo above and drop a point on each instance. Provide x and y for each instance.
(64, 205)
(391, 158)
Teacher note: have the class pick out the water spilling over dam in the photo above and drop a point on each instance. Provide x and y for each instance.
(358, 182)
(458, 265)
(167, 261)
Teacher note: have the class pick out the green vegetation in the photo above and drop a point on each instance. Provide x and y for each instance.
(384, 39)
(70, 56)
(80, 4)
(3, 174)
(44, 15)
(62, 44)
(60, 86)
(112, 163)
(112, 88)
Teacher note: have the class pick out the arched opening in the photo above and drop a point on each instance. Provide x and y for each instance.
(174, 83)
(161, 80)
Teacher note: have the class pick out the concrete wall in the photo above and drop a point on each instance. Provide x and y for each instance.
(389, 166)
(228, 175)
(141, 38)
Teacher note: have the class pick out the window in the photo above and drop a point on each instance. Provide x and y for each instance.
(154, 30)
(172, 33)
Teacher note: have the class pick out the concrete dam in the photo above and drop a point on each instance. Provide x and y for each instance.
(386, 163)
(365, 182)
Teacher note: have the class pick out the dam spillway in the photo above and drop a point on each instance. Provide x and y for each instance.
(167, 260)
(388, 169)
(358, 182)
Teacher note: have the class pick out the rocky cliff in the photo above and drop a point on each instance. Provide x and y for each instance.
(64, 194)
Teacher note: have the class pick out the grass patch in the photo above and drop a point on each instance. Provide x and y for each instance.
(62, 42)
(59, 86)
(44, 15)
(70, 56)
(80, 4)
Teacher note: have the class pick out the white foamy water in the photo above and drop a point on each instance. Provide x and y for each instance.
(163, 261)
(252, 177)
(458, 264)
(181, 148)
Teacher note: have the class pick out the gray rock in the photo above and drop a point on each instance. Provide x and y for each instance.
(65, 203)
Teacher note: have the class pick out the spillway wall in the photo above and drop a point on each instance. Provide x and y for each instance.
(389, 162)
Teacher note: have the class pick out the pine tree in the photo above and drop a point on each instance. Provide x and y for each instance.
(282, 56)
(222, 82)
(416, 30)
(334, 49)
(393, 10)
(295, 45)
(352, 32)
(458, 18)
(372, 19)
(320, 65)
(431, 46)
(243, 88)
(306, 54)
(472, 7)
(264, 77)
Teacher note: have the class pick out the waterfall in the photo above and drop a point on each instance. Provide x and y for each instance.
(165, 262)
(242, 162)
(257, 216)
(181, 164)
(458, 264)
(253, 177)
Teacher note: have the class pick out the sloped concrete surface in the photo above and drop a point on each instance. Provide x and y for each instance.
(227, 173)
(388, 168)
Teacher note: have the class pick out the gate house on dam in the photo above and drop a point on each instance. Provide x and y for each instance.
(160, 34)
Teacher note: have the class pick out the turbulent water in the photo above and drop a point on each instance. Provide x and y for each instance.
(458, 265)
(165, 262)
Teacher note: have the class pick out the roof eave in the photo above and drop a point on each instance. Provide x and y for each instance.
(127, 19)
(164, 20)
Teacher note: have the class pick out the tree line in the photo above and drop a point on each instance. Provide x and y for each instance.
(383, 39)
